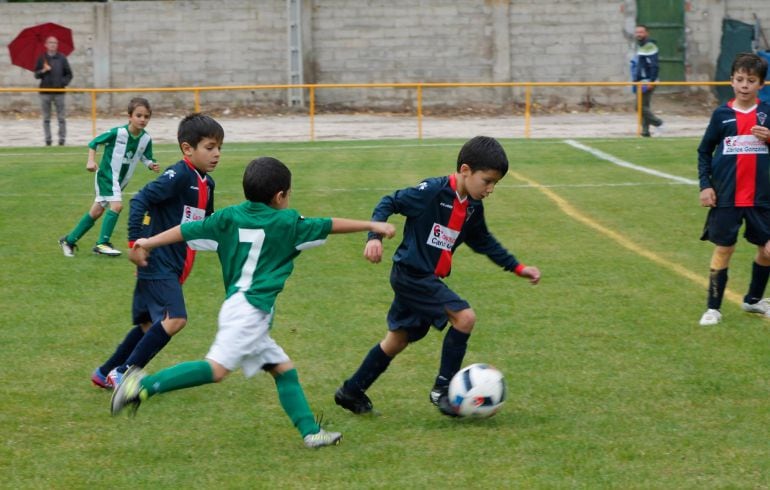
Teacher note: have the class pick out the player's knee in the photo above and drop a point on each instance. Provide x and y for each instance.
(720, 259)
(395, 342)
(463, 320)
(218, 371)
(173, 325)
(116, 206)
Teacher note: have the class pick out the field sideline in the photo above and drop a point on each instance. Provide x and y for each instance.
(612, 383)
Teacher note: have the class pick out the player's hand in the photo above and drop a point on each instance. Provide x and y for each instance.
(138, 253)
(708, 198)
(761, 133)
(91, 166)
(373, 251)
(385, 229)
(154, 167)
(532, 273)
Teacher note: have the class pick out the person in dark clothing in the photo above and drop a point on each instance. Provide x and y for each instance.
(644, 68)
(53, 70)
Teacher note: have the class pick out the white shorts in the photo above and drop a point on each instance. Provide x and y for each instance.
(243, 338)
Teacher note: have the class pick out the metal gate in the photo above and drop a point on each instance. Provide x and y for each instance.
(665, 21)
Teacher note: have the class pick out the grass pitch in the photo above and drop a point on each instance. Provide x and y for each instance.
(612, 383)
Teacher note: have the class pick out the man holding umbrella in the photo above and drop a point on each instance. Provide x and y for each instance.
(53, 70)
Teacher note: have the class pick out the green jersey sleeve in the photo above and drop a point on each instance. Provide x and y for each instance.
(104, 138)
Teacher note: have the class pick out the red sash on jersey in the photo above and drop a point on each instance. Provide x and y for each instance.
(456, 220)
(203, 199)
(745, 163)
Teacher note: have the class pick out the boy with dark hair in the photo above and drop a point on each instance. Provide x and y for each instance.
(441, 213)
(257, 242)
(124, 147)
(734, 174)
(183, 193)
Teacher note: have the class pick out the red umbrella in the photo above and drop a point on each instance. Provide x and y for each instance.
(27, 47)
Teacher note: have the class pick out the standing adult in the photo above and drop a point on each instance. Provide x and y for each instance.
(53, 70)
(644, 68)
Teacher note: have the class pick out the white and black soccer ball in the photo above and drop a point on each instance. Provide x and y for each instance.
(477, 391)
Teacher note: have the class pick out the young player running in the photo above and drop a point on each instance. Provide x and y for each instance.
(257, 242)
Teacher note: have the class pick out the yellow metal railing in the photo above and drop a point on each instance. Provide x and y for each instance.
(419, 87)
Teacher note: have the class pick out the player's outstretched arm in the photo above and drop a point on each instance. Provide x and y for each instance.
(91, 165)
(143, 246)
(344, 225)
(532, 273)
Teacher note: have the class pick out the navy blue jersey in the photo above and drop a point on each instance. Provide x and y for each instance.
(437, 222)
(732, 161)
(181, 194)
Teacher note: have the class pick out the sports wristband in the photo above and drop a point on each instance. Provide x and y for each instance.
(517, 270)
(131, 243)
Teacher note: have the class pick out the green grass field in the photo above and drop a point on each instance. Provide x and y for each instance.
(612, 383)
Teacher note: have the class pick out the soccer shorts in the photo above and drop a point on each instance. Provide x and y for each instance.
(723, 224)
(421, 300)
(107, 189)
(243, 338)
(156, 298)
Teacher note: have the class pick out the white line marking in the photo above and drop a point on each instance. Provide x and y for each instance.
(623, 163)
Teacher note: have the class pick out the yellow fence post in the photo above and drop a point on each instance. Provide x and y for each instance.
(527, 104)
(197, 97)
(419, 112)
(93, 113)
(312, 113)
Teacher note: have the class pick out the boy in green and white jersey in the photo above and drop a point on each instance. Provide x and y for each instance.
(124, 147)
(257, 242)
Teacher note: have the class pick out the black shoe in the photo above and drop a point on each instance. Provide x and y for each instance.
(47, 143)
(358, 403)
(439, 396)
(61, 142)
(646, 135)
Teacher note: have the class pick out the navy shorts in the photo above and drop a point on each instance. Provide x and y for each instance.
(154, 298)
(420, 301)
(723, 224)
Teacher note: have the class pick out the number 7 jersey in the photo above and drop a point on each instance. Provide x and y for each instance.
(256, 245)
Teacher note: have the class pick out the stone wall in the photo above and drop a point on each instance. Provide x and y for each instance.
(195, 43)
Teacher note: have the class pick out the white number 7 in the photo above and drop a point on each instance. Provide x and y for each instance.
(256, 238)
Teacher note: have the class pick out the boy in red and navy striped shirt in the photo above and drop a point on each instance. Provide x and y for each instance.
(734, 174)
(441, 213)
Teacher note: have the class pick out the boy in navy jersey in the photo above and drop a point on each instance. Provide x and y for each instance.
(441, 213)
(734, 174)
(257, 242)
(183, 193)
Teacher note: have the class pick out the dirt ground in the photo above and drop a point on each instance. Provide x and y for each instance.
(682, 118)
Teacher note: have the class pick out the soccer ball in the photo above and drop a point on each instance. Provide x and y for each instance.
(477, 391)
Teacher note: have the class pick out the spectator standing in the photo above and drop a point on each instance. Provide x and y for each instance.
(644, 68)
(53, 70)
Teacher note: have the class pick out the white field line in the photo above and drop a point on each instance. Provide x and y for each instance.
(576, 214)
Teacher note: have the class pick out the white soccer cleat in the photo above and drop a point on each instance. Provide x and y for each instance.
(762, 307)
(711, 317)
(106, 249)
(322, 438)
(67, 248)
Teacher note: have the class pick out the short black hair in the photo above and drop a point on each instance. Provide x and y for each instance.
(194, 127)
(483, 153)
(265, 177)
(138, 102)
(750, 63)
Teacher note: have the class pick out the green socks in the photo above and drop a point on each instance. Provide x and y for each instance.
(108, 226)
(293, 401)
(184, 375)
(85, 224)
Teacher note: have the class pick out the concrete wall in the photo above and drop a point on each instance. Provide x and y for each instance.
(243, 42)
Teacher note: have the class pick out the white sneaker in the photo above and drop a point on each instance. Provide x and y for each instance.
(762, 307)
(711, 317)
(106, 249)
(322, 438)
(66, 247)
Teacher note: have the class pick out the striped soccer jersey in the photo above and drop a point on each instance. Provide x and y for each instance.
(256, 245)
(437, 222)
(732, 161)
(122, 151)
(179, 195)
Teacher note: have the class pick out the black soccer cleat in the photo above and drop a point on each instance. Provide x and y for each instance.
(439, 396)
(356, 403)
